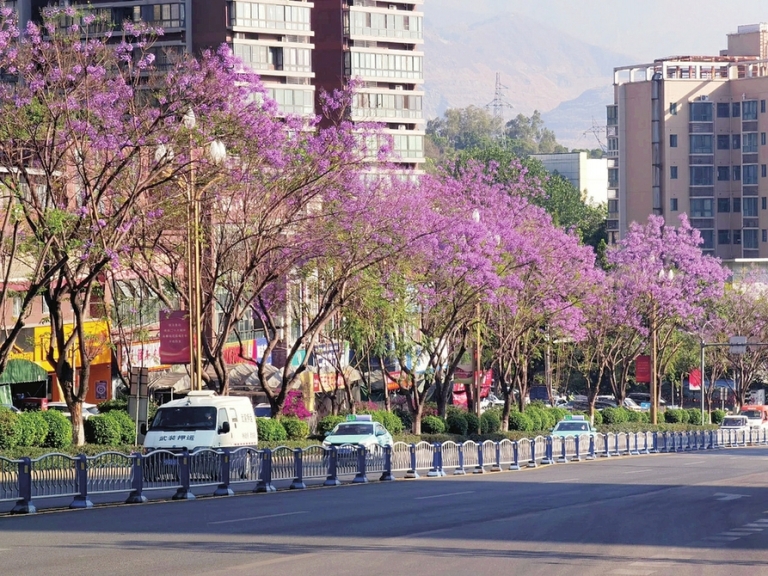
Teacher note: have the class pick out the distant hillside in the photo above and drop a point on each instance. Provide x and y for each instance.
(542, 67)
(580, 123)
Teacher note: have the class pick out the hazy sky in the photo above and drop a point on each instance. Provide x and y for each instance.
(646, 29)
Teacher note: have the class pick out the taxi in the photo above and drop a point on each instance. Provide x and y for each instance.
(573, 426)
(358, 430)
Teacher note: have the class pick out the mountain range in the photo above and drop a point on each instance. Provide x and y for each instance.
(542, 68)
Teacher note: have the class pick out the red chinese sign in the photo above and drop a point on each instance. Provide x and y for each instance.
(174, 337)
(694, 379)
(643, 369)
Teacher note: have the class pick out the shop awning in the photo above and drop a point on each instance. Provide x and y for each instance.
(18, 371)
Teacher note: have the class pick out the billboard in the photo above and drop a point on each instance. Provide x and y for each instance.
(174, 337)
(643, 369)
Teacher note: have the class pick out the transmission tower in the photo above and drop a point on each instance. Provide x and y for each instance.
(596, 130)
(500, 101)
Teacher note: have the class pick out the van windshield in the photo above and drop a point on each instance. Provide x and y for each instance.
(752, 413)
(185, 418)
(734, 421)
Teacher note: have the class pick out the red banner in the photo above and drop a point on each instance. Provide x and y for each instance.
(174, 337)
(643, 369)
(694, 379)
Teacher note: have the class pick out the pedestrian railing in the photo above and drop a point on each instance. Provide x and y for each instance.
(58, 475)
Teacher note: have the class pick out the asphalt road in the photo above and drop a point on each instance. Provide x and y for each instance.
(698, 513)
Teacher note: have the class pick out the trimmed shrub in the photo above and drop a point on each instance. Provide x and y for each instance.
(694, 416)
(405, 417)
(59, 429)
(457, 423)
(390, 421)
(558, 413)
(472, 422)
(641, 417)
(102, 429)
(432, 425)
(295, 428)
(33, 428)
(271, 430)
(615, 416)
(325, 425)
(675, 416)
(490, 422)
(718, 416)
(520, 421)
(110, 405)
(125, 424)
(537, 417)
(598, 418)
(10, 429)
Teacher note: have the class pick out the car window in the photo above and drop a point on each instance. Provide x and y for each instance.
(352, 429)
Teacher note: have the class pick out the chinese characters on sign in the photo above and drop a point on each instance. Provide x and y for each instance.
(174, 337)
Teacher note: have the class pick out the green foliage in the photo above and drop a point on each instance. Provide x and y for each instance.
(390, 421)
(125, 424)
(675, 416)
(520, 421)
(615, 416)
(295, 428)
(271, 430)
(641, 417)
(115, 404)
(33, 428)
(405, 418)
(535, 413)
(559, 414)
(324, 425)
(472, 422)
(598, 420)
(718, 416)
(102, 429)
(694, 416)
(456, 423)
(432, 425)
(490, 422)
(59, 429)
(10, 429)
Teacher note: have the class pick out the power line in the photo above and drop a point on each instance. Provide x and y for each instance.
(500, 101)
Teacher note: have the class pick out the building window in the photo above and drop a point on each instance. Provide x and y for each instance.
(737, 172)
(750, 239)
(701, 111)
(701, 143)
(673, 204)
(673, 108)
(723, 173)
(613, 206)
(762, 106)
(737, 204)
(736, 110)
(737, 236)
(702, 175)
(749, 207)
(762, 170)
(762, 138)
(723, 110)
(749, 174)
(44, 306)
(736, 141)
(17, 302)
(708, 237)
(723, 236)
(763, 202)
(749, 111)
(723, 142)
(673, 172)
(723, 204)
(673, 140)
(765, 232)
(701, 208)
(749, 143)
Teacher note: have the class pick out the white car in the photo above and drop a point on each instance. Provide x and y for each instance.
(491, 401)
(88, 409)
(735, 423)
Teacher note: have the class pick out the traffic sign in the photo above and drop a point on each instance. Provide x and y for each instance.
(738, 344)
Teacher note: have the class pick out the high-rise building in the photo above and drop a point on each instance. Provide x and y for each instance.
(688, 134)
(378, 43)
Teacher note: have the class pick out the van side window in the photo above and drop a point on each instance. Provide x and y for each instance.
(233, 417)
(222, 416)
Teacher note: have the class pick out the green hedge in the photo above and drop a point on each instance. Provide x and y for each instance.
(271, 430)
(295, 428)
(59, 429)
(718, 416)
(432, 425)
(694, 416)
(456, 423)
(10, 429)
(33, 428)
(520, 421)
(113, 428)
(472, 422)
(490, 422)
(328, 423)
(389, 420)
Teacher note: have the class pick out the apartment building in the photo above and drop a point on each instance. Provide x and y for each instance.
(588, 175)
(687, 134)
(379, 43)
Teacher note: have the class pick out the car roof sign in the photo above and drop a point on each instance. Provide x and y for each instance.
(577, 417)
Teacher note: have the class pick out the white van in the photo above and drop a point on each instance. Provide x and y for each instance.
(203, 420)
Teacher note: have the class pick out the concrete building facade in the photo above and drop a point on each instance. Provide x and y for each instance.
(688, 135)
(589, 175)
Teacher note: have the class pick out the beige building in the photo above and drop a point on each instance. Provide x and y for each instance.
(688, 134)
(588, 175)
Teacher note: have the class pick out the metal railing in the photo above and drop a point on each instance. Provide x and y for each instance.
(58, 475)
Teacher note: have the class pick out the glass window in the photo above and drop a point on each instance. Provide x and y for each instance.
(702, 175)
(736, 141)
(737, 204)
(736, 172)
(749, 207)
(749, 143)
(723, 142)
(736, 110)
(750, 239)
(673, 204)
(701, 111)
(701, 208)
(762, 106)
(723, 173)
(749, 174)
(749, 110)
(673, 172)
(673, 109)
(723, 236)
(762, 138)
(737, 236)
(762, 170)
(708, 236)
(673, 140)
(723, 204)
(723, 110)
(763, 203)
(702, 143)
(765, 232)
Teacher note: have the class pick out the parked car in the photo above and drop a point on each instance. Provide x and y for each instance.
(358, 430)
(88, 409)
(491, 401)
(644, 398)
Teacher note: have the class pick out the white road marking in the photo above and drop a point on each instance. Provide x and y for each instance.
(755, 526)
(258, 517)
(735, 533)
(691, 463)
(721, 538)
(639, 471)
(761, 522)
(629, 572)
(651, 564)
(724, 497)
(748, 529)
(562, 480)
(444, 495)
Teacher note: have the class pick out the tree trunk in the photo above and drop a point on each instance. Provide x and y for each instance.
(78, 430)
(505, 413)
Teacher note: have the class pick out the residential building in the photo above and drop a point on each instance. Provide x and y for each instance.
(687, 134)
(588, 175)
(380, 44)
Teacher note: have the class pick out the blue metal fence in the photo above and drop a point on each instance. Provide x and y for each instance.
(58, 475)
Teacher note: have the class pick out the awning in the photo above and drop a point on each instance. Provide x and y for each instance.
(18, 371)
(170, 381)
(247, 376)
